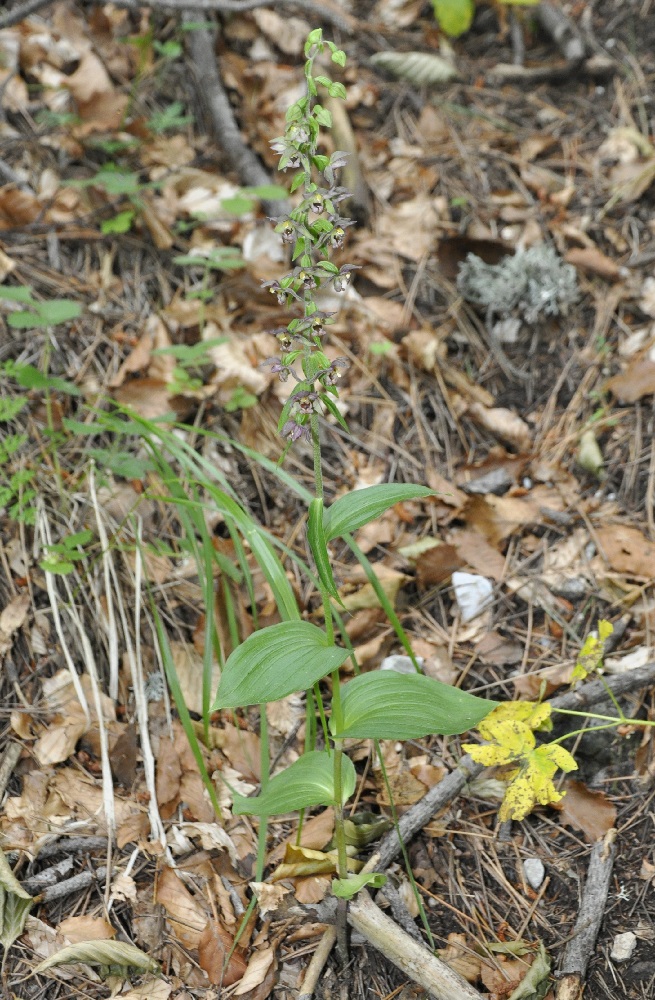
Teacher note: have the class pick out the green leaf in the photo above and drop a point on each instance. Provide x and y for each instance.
(454, 16)
(322, 116)
(100, 953)
(387, 705)
(339, 57)
(318, 545)
(330, 405)
(355, 509)
(122, 463)
(31, 378)
(338, 90)
(309, 781)
(121, 223)
(346, 888)
(19, 293)
(275, 662)
(15, 904)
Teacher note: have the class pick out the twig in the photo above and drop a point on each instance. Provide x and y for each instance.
(7, 765)
(438, 797)
(9, 174)
(562, 30)
(337, 19)
(210, 88)
(579, 949)
(412, 958)
(74, 884)
(23, 10)
(317, 964)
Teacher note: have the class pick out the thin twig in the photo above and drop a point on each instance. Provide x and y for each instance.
(23, 10)
(317, 964)
(7, 765)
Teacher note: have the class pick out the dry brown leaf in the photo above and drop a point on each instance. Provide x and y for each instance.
(504, 975)
(242, 749)
(312, 889)
(594, 261)
(154, 989)
(637, 380)
(86, 928)
(496, 649)
(186, 915)
(459, 956)
(213, 945)
(11, 619)
(269, 897)
(391, 581)
(586, 810)
(437, 565)
(504, 424)
(627, 550)
(476, 552)
(498, 517)
(189, 668)
(258, 966)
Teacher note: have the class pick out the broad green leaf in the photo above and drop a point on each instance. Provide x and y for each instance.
(309, 781)
(346, 888)
(317, 543)
(386, 705)
(454, 16)
(355, 509)
(100, 953)
(275, 662)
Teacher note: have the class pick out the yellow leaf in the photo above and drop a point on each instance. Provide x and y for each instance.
(590, 657)
(511, 741)
(535, 715)
(532, 783)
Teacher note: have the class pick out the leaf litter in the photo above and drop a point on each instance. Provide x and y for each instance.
(560, 544)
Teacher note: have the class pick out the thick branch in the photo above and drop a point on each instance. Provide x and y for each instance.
(573, 966)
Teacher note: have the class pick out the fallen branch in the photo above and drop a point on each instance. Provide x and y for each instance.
(317, 964)
(412, 958)
(578, 952)
(317, 10)
(212, 93)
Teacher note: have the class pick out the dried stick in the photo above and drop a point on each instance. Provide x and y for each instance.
(318, 10)
(573, 966)
(7, 765)
(438, 797)
(412, 958)
(210, 88)
(317, 964)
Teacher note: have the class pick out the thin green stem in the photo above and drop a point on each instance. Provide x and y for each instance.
(616, 721)
(318, 470)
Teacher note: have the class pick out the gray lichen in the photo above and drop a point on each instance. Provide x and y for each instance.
(532, 284)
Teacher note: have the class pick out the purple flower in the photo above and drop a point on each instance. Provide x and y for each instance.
(277, 368)
(294, 431)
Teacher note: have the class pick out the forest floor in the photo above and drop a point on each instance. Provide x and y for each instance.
(529, 414)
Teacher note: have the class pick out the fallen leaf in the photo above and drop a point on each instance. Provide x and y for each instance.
(504, 424)
(594, 261)
(11, 619)
(187, 917)
(627, 550)
(86, 928)
(637, 380)
(258, 965)
(213, 946)
(586, 810)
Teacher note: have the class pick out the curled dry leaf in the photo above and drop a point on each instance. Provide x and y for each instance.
(586, 810)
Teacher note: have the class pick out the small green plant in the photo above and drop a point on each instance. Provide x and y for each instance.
(456, 16)
(35, 314)
(297, 655)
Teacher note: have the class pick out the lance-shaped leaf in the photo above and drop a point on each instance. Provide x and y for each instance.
(101, 953)
(275, 662)
(318, 545)
(15, 904)
(353, 510)
(388, 705)
(309, 781)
